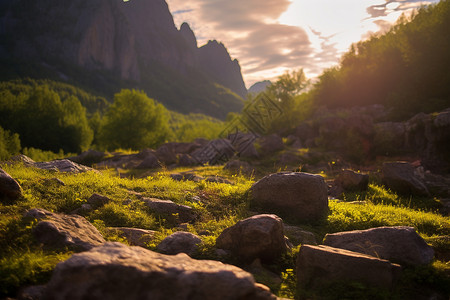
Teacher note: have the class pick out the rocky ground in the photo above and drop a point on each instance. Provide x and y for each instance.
(272, 219)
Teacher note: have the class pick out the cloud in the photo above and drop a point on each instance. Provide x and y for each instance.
(250, 31)
(382, 10)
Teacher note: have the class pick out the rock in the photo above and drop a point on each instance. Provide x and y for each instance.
(296, 196)
(54, 181)
(166, 155)
(192, 177)
(63, 165)
(59, 231)
(186, 176)
(271, 144)
(437, 185)
(34, 292)
(218, 179)
(244, 144)
(352, 181)
(185, 160)
(177, 176)
(134, 236)
(299, 236)
(398, 244)
(150, 161)
(23, 159)
(260, 236)
(390, 137)
(10, 189)
(319, 266)
(89, 157)
(116, 271)
(237, 167)
(170, 209)
(215, 152)
(179, 242)
(97, 200)
(289, 158)
(400, 177)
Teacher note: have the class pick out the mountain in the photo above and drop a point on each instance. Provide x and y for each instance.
(259, 87)
(106, 45)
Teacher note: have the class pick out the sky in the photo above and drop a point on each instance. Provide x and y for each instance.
(270, 37)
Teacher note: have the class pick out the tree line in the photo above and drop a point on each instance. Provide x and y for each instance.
(53, 117)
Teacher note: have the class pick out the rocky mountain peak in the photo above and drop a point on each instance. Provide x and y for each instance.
(188, 35)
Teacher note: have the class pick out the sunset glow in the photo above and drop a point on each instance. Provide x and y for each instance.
(271, 36)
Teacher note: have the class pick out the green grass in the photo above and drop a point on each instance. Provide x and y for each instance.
(24, 262)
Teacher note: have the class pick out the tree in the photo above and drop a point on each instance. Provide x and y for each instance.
(134, 121)
(285, 91)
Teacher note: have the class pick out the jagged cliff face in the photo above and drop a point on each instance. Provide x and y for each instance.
(135, 40)
(216, 62)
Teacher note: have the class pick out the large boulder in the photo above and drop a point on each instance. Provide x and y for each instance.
(59, 231)
(300, 197)
(260, 236)
(10, 189)
(116, 271)
(400, 177)
(179, 242)
(170, 210)
(319, 266)
(398, 244)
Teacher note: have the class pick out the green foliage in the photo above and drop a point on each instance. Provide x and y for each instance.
(41, 155)
(31, 267)
(134, 121)
(42, 120)
(118, 215)
(347, 216)
(9, 144)
(406, 69)
(187, 128)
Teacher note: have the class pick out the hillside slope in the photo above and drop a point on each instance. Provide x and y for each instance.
(107, 45)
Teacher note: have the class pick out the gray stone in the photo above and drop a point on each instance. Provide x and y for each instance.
(319, 266)
(300, 197)
(97, 200)
(171, 210)
(179, 242)
(59, 231)
(271, 144)
(400, 177)
(62, 165)
(150, 161)
(166, 155)
(398, 244)
(10, 189)
(34, 292)
(116, 271)
(238, 166)
(352, 181)
(218, 179)
(134, 236)
(260, 236)
(299, 236)
(185, 160)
